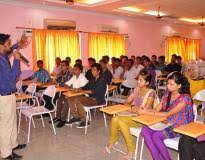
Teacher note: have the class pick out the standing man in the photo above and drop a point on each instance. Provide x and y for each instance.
(8, 77)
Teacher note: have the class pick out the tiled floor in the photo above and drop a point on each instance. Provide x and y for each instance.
(71, 143)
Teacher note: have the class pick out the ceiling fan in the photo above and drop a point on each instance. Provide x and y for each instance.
(159, 16)
(202, 23)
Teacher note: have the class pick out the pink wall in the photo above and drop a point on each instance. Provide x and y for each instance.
(145, 37)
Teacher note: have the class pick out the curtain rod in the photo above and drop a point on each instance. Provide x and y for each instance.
(30, 28)
(180, 37)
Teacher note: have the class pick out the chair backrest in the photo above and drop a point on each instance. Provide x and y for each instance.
(158, 73)
(31, 89)
(200, 96)
(19, 86)
(50, 91)
(195, 112)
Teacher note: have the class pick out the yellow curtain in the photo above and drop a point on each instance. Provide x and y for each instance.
(49, 44)
(175, 45)
(188, 49)
(193, 49)
(101, 44)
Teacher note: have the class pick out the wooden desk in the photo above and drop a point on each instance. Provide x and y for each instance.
(115, 109)
(149, 119)
(111, 88)
(72, 93)
(194, 129)
(117, 80)
(61, 89)
(23, 96)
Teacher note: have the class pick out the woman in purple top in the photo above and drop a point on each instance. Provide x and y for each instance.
(176, 106)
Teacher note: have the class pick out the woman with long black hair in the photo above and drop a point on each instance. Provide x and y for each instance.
(177, 107)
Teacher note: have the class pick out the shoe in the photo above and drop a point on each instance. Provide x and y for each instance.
(20, 146)
(72, 121)
(16, 155)
(60, 124)
(82, 125)
(55, 120)
(107, 150)
(13, 156)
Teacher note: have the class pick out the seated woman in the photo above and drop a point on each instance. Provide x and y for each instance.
(142, 97)
(176, 106)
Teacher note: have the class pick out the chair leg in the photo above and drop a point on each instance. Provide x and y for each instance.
(90, 116)
(86, 123)
(142, 147)
(68, 114)
(42, 121)
(34, 126)
(178, 155)
(136, 148)
(19, 122)
(105, 120)
(29, 129)
(54, 130)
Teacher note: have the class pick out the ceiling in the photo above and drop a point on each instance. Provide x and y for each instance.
(190, 11)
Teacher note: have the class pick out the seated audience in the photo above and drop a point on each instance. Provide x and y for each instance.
(177, 107)
(173, 66)
(133, 58)
(57, 68)
(123, 61)
(138, 64)
(151, 70)
(88, 74)
(68, 59)
(161, 66)
(154, 61)
(141, 97)
(79, 61)
(116, 70)
(106, 58)
(78, 80)
(129, 74)
(97, 86)
(191, 148)
(64, 75)
(106, 74)
(41, 75)
(180, 63)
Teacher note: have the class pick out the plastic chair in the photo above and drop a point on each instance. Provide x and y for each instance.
(40, 110)
(19, 86)
(89, 108)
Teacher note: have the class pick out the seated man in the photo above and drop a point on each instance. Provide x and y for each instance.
(97, 86)
(41, 75)
(88, 74)
(105, 72)
(150, 68)
(116, 70)
(64, 75)
(78, 80)
(130, 74)
(57, 68)
(173, 66)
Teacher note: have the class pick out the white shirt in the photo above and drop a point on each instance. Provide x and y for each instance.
(77, 82)
(118, 72)
(139, 68)
(129, 77)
